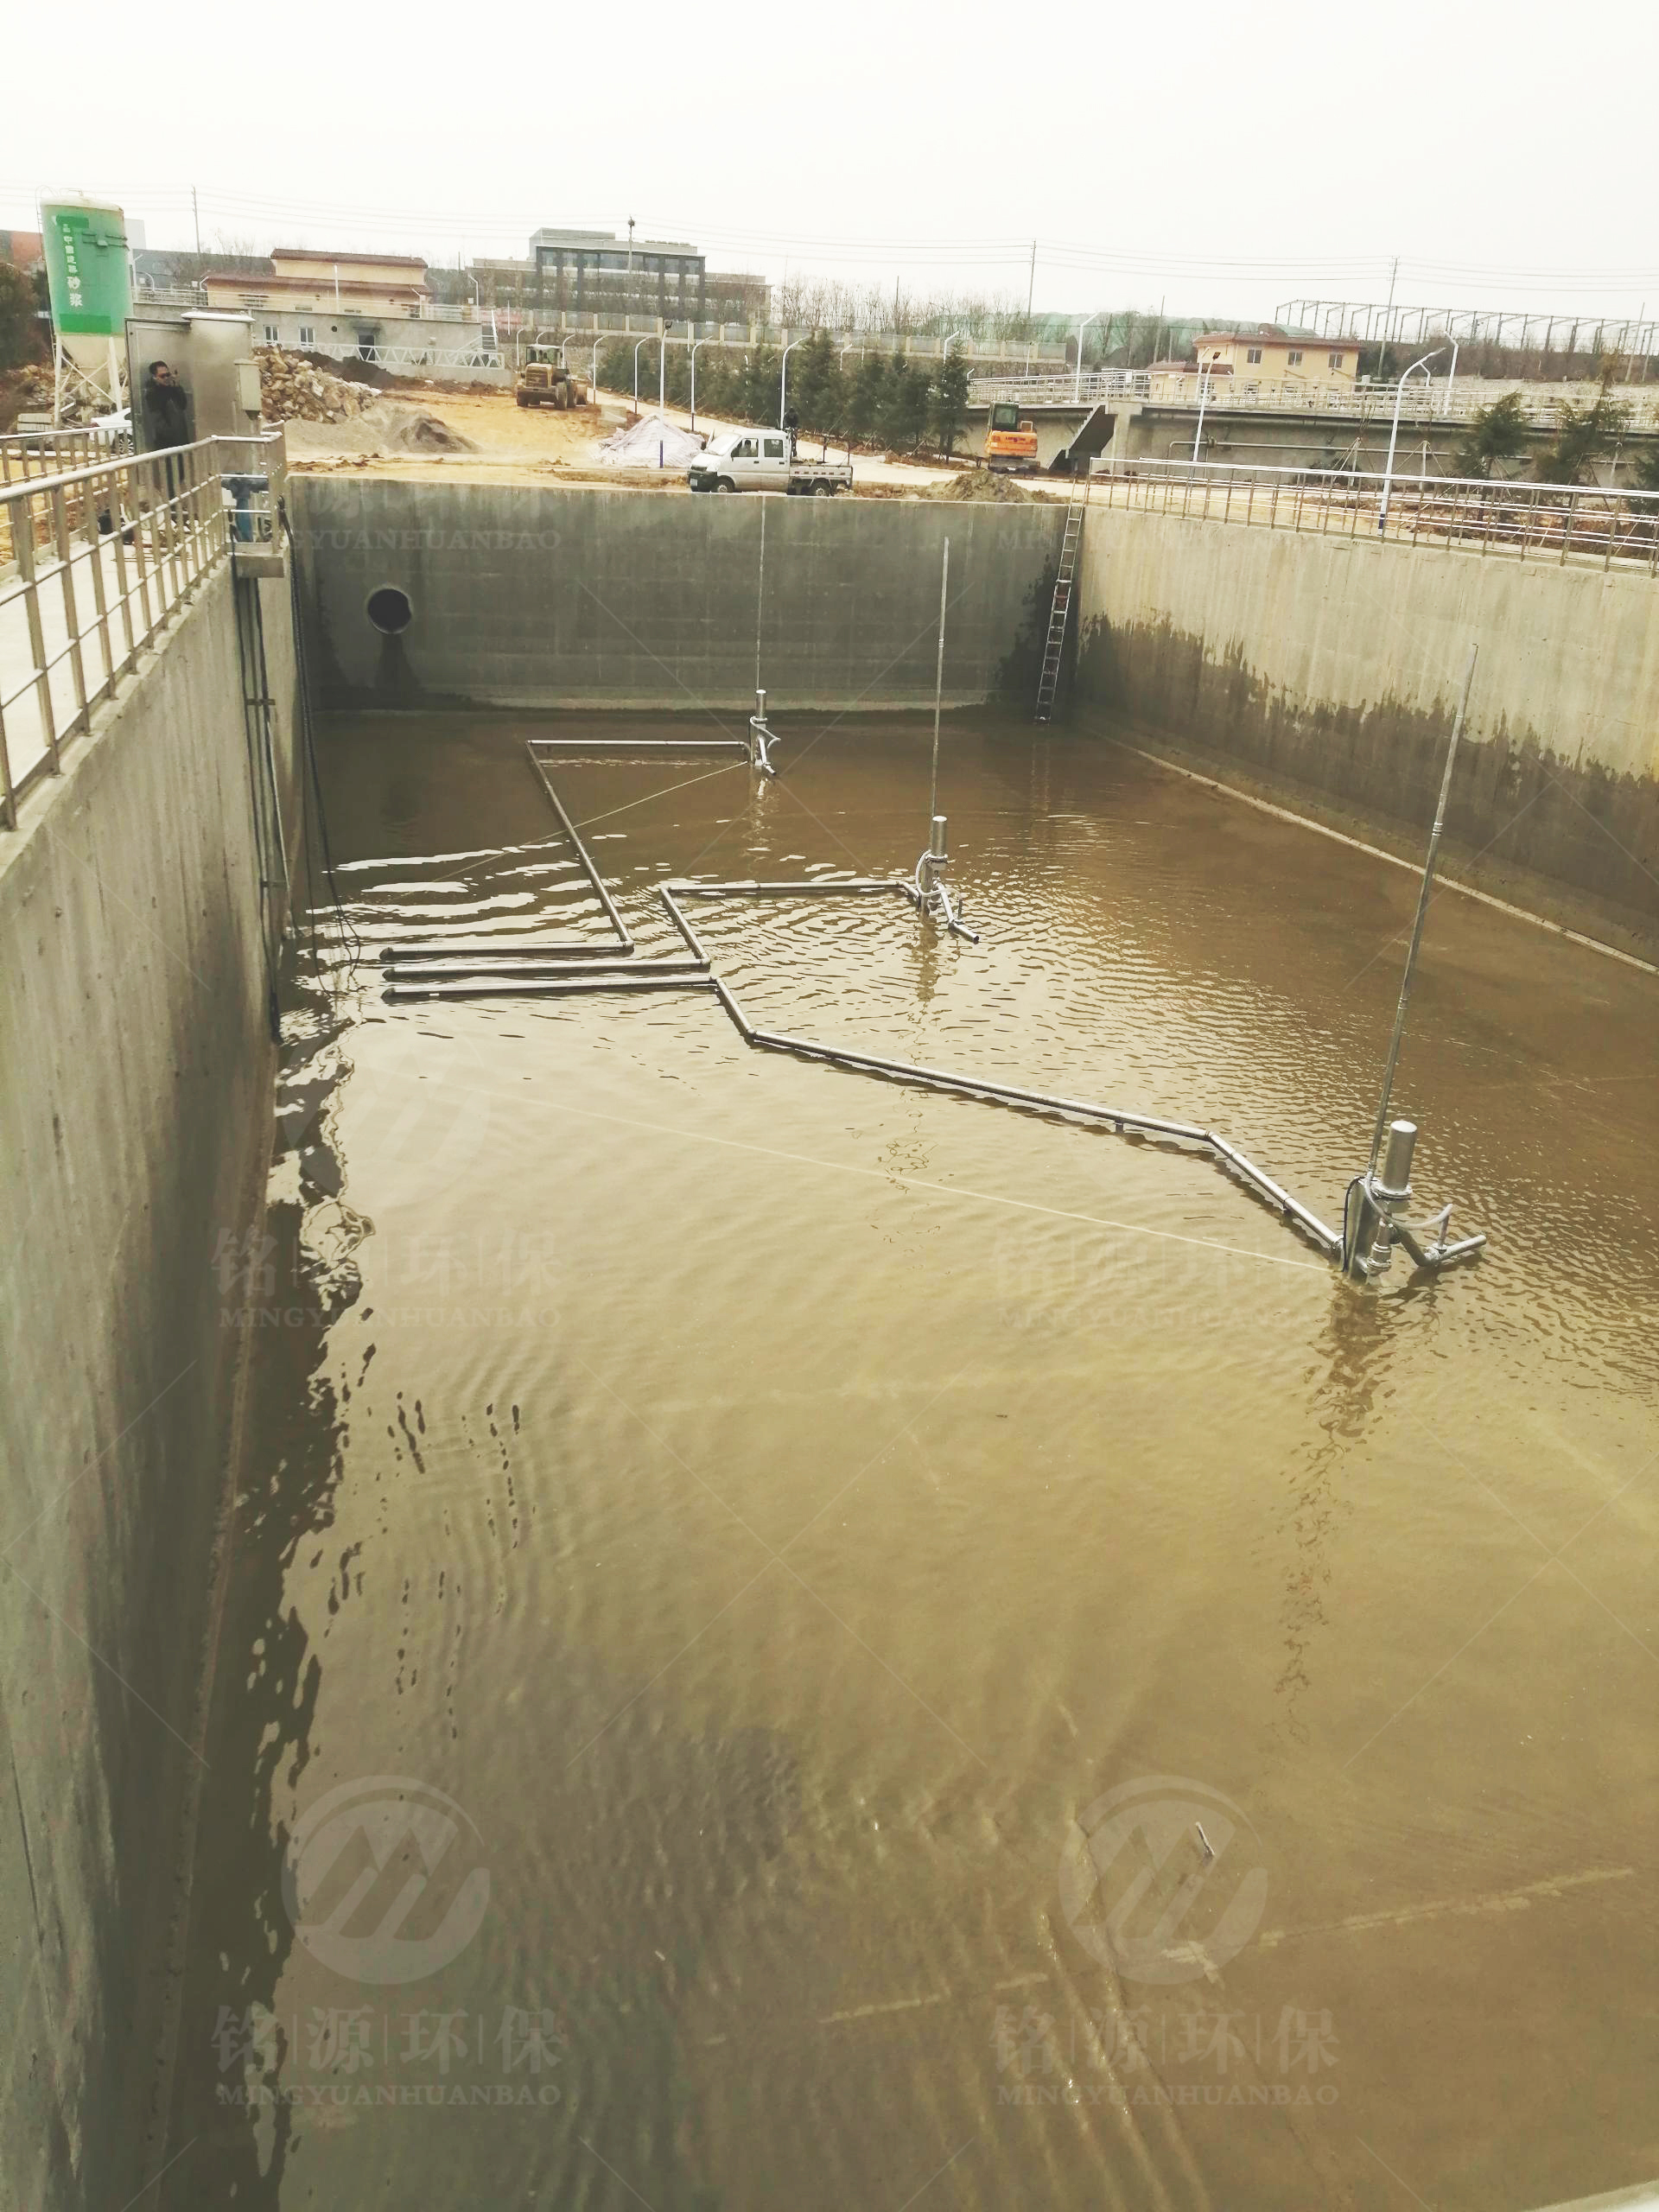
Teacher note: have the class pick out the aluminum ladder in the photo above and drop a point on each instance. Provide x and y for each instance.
(1065, 576)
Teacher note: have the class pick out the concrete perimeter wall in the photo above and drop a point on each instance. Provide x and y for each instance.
(135, 1072)
(594, 598)
(1326, 672)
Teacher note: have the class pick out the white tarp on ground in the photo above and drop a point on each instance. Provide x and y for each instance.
(652, 443)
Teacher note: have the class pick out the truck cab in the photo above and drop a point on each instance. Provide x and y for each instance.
(742, 460)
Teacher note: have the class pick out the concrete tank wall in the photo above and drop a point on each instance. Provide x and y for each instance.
(1327, 671)
(595, 598)
(136, 1066)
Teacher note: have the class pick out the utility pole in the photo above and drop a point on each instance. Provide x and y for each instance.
(1388, 318)
(196, 215)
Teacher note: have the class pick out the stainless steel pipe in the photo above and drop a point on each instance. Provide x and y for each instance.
(549, 986)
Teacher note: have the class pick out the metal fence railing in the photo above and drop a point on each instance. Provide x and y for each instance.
(94, 562)
(1439, 401)
(1582, 524)
(24, 454)
(432, 356)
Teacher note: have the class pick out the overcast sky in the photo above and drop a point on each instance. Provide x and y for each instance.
(1224, 157)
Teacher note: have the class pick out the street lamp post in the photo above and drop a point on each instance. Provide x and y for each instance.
(783, 389)
(1394, 433)
(1203, 397)
(1076, 381)
(1451, 376)
(592, 381)
(644, 342)
(694, 344)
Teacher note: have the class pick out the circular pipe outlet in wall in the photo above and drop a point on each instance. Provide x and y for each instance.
(389, 610)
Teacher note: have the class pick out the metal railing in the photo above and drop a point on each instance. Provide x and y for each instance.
(26, 454)
(94, 563)
(1585, 524)
(400, 357)
(1369, 402)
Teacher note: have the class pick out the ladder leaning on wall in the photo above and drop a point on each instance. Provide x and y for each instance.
(1064, 577)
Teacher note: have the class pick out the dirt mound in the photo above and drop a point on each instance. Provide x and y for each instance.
(379, 426)
(353, 369)
(983, 484)
(417, 431)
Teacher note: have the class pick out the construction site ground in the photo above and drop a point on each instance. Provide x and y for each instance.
(510, 444)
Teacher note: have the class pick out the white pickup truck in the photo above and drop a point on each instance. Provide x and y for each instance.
(761, 461)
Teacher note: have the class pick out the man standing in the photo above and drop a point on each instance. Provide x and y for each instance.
(167, 414)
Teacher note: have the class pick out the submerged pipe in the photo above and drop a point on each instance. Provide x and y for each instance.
(547, 987)
(1045, 1102)
(396, 971)
(749, 888)
(637, 744)
(584, 854)
(1121, 1118)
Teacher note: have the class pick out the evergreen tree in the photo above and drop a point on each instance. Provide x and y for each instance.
(815, 387)
(20, 331)
(761, 379)
(867, 398)
(1497, 434)
(904, 412)
(947, 402)
(1583, 437)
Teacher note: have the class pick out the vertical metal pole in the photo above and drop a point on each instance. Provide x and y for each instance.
(760, 594)
(938, 682)
(1422, 910)
(1204, 394)
(22, 538)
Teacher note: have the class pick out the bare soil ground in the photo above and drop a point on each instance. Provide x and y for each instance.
(528, 445)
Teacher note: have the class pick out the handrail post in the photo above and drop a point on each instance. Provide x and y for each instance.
(24, 545)
(67, 587)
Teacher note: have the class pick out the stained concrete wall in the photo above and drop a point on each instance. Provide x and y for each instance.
(594, 598)
(136, 1067)
(1327, 670)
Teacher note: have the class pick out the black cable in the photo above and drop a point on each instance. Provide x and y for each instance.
(262, 840)
(348, 931)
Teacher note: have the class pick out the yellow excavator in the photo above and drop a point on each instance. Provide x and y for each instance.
(1010, 441)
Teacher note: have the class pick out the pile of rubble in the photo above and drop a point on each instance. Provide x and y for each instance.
(294, 389)
(28, 390)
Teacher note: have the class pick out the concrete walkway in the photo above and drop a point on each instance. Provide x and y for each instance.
(21, 715)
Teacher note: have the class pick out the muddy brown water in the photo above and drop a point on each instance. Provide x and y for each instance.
(797, 1641)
